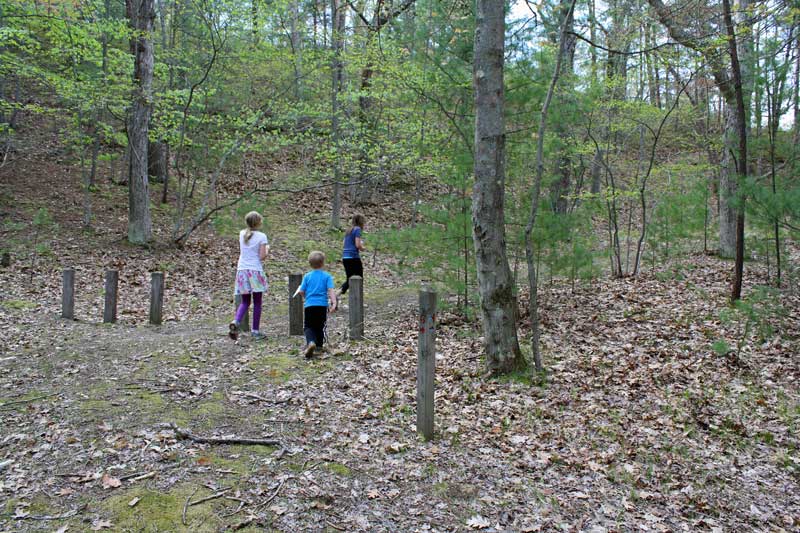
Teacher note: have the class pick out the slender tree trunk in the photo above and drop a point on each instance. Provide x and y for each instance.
(296, 42)
(533, 274)
(488, 221)
(337, 21)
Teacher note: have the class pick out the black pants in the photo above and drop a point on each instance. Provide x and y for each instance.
(352, 267)
(314, 320)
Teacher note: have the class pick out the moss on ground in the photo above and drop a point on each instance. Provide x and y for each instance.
(18, 305)
(162, 511)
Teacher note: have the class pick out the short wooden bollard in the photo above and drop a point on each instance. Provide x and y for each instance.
(426, 363)
(6, 260)
(245, 325)
(110, 308)
(356, 307)
(156, 297)
(68, 294)
(295, 306)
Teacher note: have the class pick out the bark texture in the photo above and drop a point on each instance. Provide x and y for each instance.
(141, 16)
(498, 307)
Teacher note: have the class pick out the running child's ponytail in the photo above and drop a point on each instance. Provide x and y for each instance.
(253, 220)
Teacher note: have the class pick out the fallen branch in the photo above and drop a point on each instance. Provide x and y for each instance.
(274, 494)
(187, 435)
(219, 494)
(186, 505)
(29, 400)
(143, 476)
(68, 514)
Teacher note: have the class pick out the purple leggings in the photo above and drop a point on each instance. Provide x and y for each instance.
(256, 309)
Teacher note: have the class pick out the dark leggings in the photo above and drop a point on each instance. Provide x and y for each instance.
(256, 309)
(352, 267)
(314, 319)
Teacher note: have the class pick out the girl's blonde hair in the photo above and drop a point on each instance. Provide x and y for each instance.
(253, 220)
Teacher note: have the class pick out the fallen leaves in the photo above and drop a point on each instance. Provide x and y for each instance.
(110, 482)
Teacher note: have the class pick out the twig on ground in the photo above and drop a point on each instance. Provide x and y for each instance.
(143, 476)
(334, 526)
(186, 505)
(242, 503)
(29, 400)
(261, 398)
(187, 435)
(274, 494)
(214, 496)
(68, 514)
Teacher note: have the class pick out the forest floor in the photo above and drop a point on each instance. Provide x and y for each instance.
(639, 424)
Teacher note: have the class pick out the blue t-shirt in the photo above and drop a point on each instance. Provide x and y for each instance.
(315, 285)
(350, 251)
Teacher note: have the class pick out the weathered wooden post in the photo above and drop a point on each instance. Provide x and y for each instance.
(110, 309)
(6, 261)
(245, 325)
(295, 306)
(68, 294)
(156, 297)
(426, 363)
(356, 307)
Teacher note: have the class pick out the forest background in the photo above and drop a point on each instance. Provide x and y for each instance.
(642, 143)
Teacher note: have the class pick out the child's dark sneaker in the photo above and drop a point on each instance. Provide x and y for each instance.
(258, 336)
(233, 330)
(309, 350)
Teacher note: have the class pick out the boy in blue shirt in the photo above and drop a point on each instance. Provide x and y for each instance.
(317, 289)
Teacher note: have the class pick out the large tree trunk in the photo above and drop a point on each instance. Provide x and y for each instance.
(498, 307)
(563, 187)
(741, 163)
(141, 14)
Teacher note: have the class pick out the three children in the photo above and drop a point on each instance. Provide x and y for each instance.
(317, 287)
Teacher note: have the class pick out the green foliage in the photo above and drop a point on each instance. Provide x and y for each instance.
(439, 248)
(756, 317)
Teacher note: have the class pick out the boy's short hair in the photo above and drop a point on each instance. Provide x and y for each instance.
(316, 259)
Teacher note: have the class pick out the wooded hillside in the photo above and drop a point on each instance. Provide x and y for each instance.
(605, 198)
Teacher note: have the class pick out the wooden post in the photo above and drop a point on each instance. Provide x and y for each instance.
(68, 294)
(110, 309)
(356, 307)
(156, 297)
(295, 306)
(6, 261)
(245, 325)
(426, 363)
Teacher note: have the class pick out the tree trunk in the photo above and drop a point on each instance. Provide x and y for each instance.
(727, 185)
(488, 221)
(296, 42)
(157, 160)
(337, 21)
(741, 164)
(141, 14)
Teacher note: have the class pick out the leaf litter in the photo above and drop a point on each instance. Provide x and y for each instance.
(638, 425)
